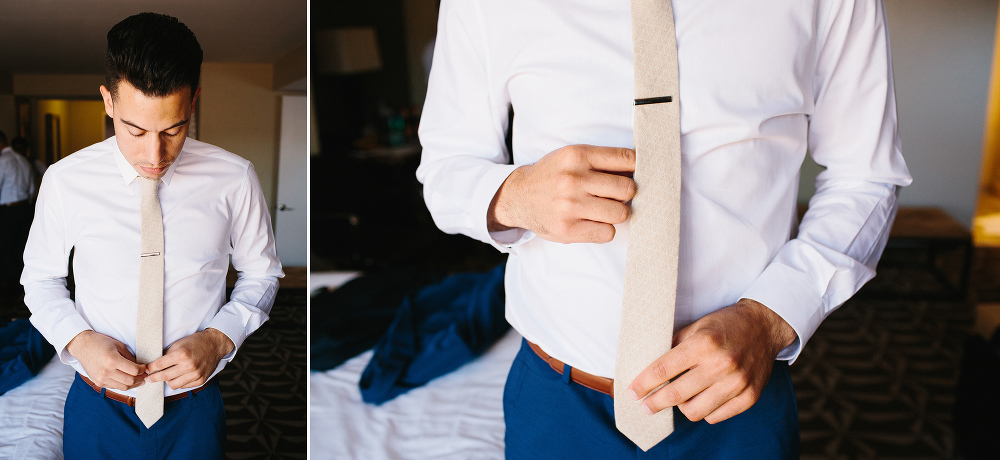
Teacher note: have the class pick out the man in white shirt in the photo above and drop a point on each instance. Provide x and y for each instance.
(16, 189)
(761, 83)
(212, 210)
(20, 145)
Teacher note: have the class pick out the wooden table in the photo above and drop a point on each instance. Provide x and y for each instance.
(933, 230)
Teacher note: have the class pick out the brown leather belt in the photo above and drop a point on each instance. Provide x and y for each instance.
(596, 383)
(130, 401)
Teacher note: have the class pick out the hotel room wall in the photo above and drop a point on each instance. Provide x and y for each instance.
(239, 112)
(942, 56)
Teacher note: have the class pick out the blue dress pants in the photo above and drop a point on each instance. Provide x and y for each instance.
(550, 417)
(98, 428)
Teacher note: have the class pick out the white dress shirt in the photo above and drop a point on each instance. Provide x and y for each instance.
(16, 182)
(212, 209)
(761, 83)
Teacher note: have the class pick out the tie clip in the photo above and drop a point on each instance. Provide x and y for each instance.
(149, 254)
(653, 100)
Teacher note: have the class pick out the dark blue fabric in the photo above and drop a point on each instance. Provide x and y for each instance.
(23, 352)
(436, 331)
(352, 318)
(549, 417)
(97, 428)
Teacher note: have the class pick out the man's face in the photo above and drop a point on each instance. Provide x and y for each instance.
(150, 130)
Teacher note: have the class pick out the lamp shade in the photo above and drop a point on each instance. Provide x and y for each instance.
(347, 51)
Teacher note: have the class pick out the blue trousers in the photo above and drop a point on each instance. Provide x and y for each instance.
(548, 416)
(98, 428)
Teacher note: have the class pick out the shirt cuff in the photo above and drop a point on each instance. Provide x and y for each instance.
(506, 240)
(232, 325)
(789, 294)
(64, 332)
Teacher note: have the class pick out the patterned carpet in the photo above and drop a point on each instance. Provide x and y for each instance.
(264, 388)
(878, 378)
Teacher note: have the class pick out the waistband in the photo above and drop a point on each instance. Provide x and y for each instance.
(130, 400)
(594, 382)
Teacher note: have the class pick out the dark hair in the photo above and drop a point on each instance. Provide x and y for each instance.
(19, 144)
(3, 138)
(155, 53)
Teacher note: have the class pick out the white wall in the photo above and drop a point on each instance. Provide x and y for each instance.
(942, 55)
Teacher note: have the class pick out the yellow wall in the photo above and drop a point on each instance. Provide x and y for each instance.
(85, 126)
(81, 124)
(990, 179)
(58, 108)
(238, 111)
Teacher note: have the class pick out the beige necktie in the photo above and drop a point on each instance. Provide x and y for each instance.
(149, 323)
(651, 265)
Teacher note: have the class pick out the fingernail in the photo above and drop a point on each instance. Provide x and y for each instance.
(632, 395)
(645, 409)
(147, 379)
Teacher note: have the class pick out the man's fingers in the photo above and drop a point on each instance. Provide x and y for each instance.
(190, 379)
(169, 373)
(684, 333)
(681, 389)
(612, 186)
(712, 398)
(117, 380)
(124, 365)
(666, 367)
(587, 231)
(163, 362)
(731, 408)
(603, 210)
(609, 158)
(125, 361)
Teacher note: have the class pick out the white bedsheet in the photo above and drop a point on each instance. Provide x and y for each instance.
(31, 415)
(457, 416)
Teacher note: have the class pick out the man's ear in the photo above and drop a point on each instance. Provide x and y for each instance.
(109, 105)
(194, 99)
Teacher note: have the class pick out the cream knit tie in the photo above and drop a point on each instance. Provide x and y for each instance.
(651, 266)
(149, 323)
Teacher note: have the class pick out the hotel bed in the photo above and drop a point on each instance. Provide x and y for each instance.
(456, 416)
(31, 415)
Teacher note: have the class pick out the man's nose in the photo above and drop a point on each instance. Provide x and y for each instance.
(155, 151)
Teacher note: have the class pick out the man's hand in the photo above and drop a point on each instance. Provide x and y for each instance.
(725, 358)
(107, 361)
(572, 195)
(190, 361)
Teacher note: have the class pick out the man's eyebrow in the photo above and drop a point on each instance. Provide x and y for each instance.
(179, 123)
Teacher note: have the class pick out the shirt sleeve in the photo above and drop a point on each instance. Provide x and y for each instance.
(256, 262)
(46, 266)
(853, 134)
(464, 159)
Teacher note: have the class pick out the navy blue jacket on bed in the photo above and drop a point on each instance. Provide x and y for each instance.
(435, 331)
(351, 319)
(23, 352)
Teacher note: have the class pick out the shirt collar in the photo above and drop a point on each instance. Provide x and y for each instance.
(129, 173)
